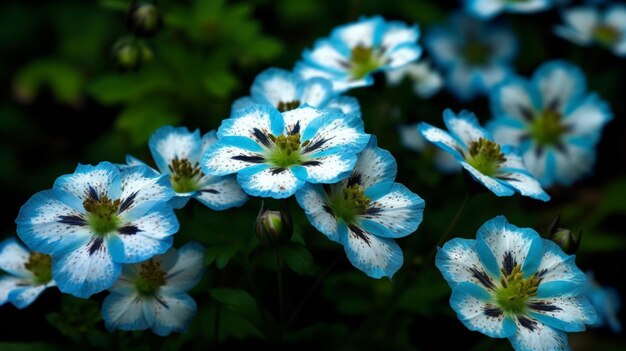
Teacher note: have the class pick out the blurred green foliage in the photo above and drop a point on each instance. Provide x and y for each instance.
(66, 100)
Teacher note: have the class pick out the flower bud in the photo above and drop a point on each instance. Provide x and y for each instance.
(567, 239)
(143, 19)
(127, 54)
(273, 227)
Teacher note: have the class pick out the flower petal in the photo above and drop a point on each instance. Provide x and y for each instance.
(377, 257)
(13, 257)
(464, 127)
(274, 86)
(374, 166)
(346, 104)
(616, 16)
(558, 272)
(254, 122)
(459, 262)
(312, 199)
(169, 143)
(471, 304)
(502, 246)
(397, 33)
(124, 312)
(47, 225)
(498, 187)
(296, 121)
(170, 313)
(587, 120)
(184, 270)
(242, 103)
(513, 99)
(442, 139)
(324, 57)
(22, 297)
(222, 159)
(362, 32)
(263, 181)
(541, 164)
(561, 85)
(142, 189)
(567, 313)
(87, 181)
(316, 92)
(402, 55)
(572, 162)
(221, 193)
(329, 168)
(8, 284)
(395, 214)
(535, 336)
(524, 183)
(484, 8)
(334, 130)
(582, 19)
(86, 270)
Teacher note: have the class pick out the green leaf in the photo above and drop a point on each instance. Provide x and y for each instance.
(118, 88)
(220, 254)
(31, 346)
(141, 119)
(63, 79)
(220, 83)
(298, 258)
(240, 303)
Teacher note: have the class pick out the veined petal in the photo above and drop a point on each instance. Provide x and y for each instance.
(442, 139)
(498, 187)
(340, 78)
(567, 313)
(312, 199)
(502, 246)
(24, 296)
(87, 181)
(185, 271)
(558, 272)
(275, 85)
(169, 143)
(221, 193)
(513, 99)
(296, 121)
(560, 83)
(587, 120)
(334, 130)
(209, 138)
(524, 183)
(222, 159)
(472, 306)
(13, 257)
(86, 270)
(533, 335)
(374, 165)
(329, 168)
(254, 122)
(464, 127)
(170, 313)
(346, 104)
(141, 190)
(124, 312)
(325, 56)
(458, 262)
(316, 92)
(264, 181)
(396, 214)
(48, 225)
(377, 257)
(402, 54)
(397, 33)
(134, 161)
(358, 33)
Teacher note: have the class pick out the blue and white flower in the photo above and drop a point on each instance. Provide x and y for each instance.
(29, 274)
(177, 153)
(474, 55)
(586, 25)
(499, 168)
(365, 212)
(607, 303)
(153, 294)
(412, 139)
(286, 91)
(511, 283)
(486, 9)
(552, 119)
(426, 81)
(94, 220)
(274, 154)
(356, 50)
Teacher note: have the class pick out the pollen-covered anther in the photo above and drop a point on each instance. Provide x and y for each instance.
(288, 106)
(486, 156)
(515, 290)
(103, 213)
(547, 127)
(286, 150)
(348, 204)
(363, 60)
(606, 34)
(151, 277)
(183, 175)
(40, 265)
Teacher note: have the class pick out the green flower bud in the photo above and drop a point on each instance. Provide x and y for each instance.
(143, 19)
(567, 239)
(273, 227)
(127, 54)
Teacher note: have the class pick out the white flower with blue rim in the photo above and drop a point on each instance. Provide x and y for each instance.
(586, 25)
(29, 274)
(607, 303)
(474, 55)
(489, 8)
(177, 153)
(94, 220)
(365, 212)
(552, 119)
(274, 154)
(286, 91)
(412, 139)
(356, 50)
(499, 168)
(511, 283)
(426, 81)
(153, 294)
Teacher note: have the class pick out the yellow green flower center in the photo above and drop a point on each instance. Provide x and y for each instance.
(103, 214)
(41, 267)
(363, 61)
(184, 176)
(476, 53)
(485, 156)
(546, 127)
(286, 151)
(606, 35)
(151, 277)
(349, 203)
(514, 291)
(288, 106)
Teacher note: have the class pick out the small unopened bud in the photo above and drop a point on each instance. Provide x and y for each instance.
(143, 19)
(567, 239)
(273, 227)
(127, 54)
